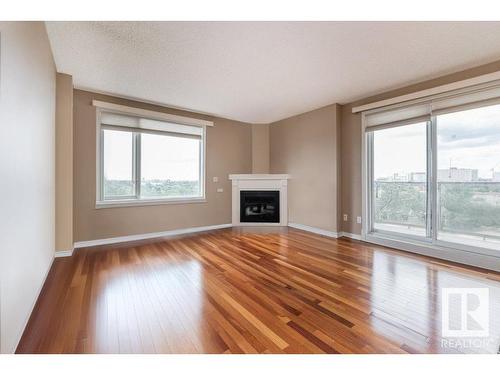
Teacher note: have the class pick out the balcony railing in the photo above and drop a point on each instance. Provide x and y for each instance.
(464, 208)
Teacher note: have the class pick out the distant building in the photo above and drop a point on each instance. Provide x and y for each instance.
(400, 177)
(396, 177)
(496, 176)
(418, 177)
(457, 175)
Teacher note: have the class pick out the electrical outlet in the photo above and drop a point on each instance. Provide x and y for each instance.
(358, 219)
(345, 217)
(220, 190)
(215, 179)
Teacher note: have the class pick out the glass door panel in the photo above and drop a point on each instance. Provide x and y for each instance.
(399, 180)
(468, 177)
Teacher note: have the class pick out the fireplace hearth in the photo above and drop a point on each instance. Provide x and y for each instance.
(259, 206)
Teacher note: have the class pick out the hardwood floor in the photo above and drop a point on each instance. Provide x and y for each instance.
(250, 291)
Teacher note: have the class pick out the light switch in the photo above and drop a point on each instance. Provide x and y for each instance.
(358, 219)
(220, 190)
(345, 217)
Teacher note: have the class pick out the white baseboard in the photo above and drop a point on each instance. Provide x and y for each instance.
(64, 253)
(145, 236)
(325, 232)
(319, 231)
(351, 235)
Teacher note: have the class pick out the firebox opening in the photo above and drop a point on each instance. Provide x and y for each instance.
(259, 206)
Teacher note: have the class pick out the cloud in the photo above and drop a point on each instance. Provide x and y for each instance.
(467, 139)
(470, 129)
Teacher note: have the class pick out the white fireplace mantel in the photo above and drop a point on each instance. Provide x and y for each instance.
(276, 182)
(256, 176)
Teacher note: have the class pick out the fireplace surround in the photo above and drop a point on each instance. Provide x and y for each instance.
(259, 199)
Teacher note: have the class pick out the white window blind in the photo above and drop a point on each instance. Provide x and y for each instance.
(115, 121)
(459, 102)
(423, 109)
(397, 116)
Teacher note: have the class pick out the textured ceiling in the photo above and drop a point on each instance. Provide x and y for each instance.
(260, 72)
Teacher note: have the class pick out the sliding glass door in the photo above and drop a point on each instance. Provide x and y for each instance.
(468, 177)
(435, 178)
(399, 179)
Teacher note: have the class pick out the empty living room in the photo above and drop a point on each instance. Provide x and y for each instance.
(223, 185)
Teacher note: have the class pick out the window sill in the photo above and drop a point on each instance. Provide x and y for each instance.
(485, 249)
(147, 202)
(474, 256)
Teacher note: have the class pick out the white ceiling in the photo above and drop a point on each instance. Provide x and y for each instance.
(261, 72)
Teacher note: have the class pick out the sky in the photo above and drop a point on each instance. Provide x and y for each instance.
(400, 150)
(466, 139)
(163, 157)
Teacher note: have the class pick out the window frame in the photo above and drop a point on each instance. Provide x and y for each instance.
(136, 200)
(431, 246)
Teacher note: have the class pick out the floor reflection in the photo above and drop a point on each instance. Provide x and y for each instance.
(139, 306)
(406, 297)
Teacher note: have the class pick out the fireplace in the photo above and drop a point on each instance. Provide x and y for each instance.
(259, 206)
(259, 199)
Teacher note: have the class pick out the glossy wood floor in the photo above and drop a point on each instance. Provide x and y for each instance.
(249, 291)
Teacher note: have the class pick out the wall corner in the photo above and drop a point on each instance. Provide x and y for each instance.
(64, 163)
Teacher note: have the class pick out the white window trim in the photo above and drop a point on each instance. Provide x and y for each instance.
(472, 255)
(136, 200)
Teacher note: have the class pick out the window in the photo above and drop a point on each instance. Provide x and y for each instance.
(144, 160)
(432, 171)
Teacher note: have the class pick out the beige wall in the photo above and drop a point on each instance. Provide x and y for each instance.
(27, 143)
(229, 150)
(351, 141)
(260, 148)
(307, 147)
(64, 162)
(321, 145)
